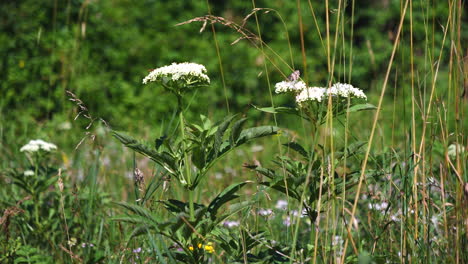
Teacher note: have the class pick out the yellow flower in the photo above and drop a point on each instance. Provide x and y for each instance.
(208, 247)
(191, 247)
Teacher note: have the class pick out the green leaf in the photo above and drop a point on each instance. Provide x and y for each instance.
(298, 148)
(278, 185)
(236, 130)
(220, 133)
(159, 142)
(151, 188)
(141, 211)
(140, 230)
(256, 132)
(278, 110)
(198, 157)
(164, 159)
(225, 196)
(130, 219)
(264, 171)
(206, 122)
(361, 107)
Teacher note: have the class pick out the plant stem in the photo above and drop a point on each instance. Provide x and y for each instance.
(186, 159)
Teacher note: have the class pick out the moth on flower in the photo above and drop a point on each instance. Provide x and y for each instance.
(294, 76)
(292, 84)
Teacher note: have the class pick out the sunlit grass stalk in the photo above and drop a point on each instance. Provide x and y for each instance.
(278, 139)
(220, 61)
(376, 117)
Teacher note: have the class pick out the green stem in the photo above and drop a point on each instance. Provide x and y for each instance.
(186, 160)
(36, 210)
(36, 194)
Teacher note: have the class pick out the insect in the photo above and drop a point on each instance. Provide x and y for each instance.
(294, 76)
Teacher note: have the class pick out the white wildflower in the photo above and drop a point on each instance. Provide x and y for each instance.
(435, 220)
(36, 145)
(28, 173)
(454, 149)
(187, 72)
(346, 90)
(311, 94)
(337, 240)
(337, 243)
(289, 86)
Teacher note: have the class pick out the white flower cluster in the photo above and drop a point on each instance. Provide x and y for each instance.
(311, 94)
(382, 207)
(289, 86)
(185, 71)
(36, 145)
(304, 93)
(455, 148)
(345, 90)
(28, 173)
(318, 94)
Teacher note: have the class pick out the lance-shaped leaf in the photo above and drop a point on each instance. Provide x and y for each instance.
(164, 159)
(220, 133)
(361, 107)
(279, 185)
(236, 130)
(140, 211)
(256, 132)
(225, 196)
(298, 148)
(140, 230)
(264, 171)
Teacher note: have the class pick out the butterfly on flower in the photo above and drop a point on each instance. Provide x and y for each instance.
(294, 77)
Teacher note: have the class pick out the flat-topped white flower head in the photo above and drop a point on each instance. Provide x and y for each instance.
(455, 149)
(28, 173)
(289, 86)
(346, 90)
(182, 74)
(38, 144)
(311, 94)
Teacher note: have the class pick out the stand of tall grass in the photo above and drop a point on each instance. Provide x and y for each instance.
(336, 185)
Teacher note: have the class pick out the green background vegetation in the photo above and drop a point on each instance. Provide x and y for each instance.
(101, 50)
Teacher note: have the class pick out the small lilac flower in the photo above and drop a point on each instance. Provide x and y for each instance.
(137, 250)
(83, 245)
(231, 224)
(281, 204)
(265, 212)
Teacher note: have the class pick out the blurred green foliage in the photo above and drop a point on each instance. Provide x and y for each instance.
(101, 50)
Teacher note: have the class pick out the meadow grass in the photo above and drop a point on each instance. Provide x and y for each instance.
(389, 185)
